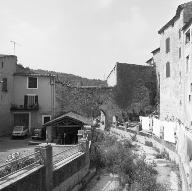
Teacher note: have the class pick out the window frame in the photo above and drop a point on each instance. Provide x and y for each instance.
(42, 119)
(28, 82)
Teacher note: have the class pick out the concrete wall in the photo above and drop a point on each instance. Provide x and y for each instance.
(9, 67)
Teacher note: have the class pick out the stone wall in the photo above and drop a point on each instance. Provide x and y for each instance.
(135, 92)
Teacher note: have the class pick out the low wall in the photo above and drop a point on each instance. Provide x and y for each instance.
(32, 180)
(69, 175)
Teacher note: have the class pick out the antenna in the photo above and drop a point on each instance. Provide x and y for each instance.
(14, 45)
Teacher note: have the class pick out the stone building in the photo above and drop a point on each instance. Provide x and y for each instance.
(7, 69)
(173, 63)
(25, 98)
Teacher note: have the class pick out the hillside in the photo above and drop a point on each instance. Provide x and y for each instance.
(64, 77)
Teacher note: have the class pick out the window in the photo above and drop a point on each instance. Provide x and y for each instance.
(179, 33)
(191, 88)
(187, 37)
(167, 42)
(187, 64)
(189, 98)
(4, 85)
(45, 118)
(2, 64)
(167, 70)
(179, 52)
(30, 101)
(32, 82)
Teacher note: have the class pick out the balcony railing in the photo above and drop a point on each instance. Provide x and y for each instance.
(24, 107)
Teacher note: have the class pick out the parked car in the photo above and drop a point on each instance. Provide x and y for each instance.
(39, 133)
(20, 131)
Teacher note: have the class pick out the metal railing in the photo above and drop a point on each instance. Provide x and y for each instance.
(19, 164)
(67, 152)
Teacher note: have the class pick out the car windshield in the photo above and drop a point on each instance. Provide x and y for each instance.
(18, 128)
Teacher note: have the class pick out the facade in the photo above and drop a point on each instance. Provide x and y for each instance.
(174, 62)
(186, 69)
(34, 99)
(8, 65)
(26, 99)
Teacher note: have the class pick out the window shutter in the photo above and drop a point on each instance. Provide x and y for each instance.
(36, 99)
(167, 45)
(167, 69)
(25, 100)
(4, 85)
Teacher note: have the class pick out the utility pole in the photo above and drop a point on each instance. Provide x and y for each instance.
(14, 45)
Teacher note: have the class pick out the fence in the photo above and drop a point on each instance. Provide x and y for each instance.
(19, 164)
(66, 153)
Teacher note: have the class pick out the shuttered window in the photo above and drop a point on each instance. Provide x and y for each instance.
(167, 42)
(30, 100)
(4, 85)
(167, 70)
(32, 82)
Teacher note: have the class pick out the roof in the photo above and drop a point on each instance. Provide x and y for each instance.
(187, 25)
(5, 55)
(155, 51)
(33, 74)
(72, 115)
(177, 15)
(151, 59)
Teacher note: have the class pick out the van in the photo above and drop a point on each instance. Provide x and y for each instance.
(20, 131)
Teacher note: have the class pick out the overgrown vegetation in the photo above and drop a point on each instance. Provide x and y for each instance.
(117, 158)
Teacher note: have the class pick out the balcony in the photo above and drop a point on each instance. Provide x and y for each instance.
(15, 107)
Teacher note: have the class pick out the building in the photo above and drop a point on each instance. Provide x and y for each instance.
(64, 129)
(8, 64)
(174, 65)
(26, 98)
(155, 61)
(34, 99)
(134, 87)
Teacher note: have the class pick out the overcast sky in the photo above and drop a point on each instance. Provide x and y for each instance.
(82, 37)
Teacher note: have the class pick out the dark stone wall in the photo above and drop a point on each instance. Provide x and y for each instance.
(136, 87)
(135, 92)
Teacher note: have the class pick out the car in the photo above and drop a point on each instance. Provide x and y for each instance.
(39, 133)
(20, 131)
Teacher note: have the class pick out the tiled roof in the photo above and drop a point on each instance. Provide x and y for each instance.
(155, 51)
(34, 74)
(187, 16)
(71, 115)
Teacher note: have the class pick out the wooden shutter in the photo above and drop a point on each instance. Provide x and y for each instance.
(167, 45)
(36, 99)
(25, 100)
(167, 69)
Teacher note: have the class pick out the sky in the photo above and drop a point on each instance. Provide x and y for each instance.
(82, 37)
